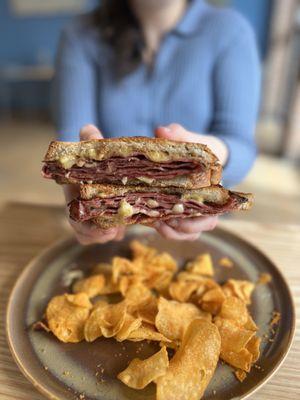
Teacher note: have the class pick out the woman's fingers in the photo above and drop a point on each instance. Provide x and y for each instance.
(169, 233)
(193, 225)
(177, 132)
(90, 132)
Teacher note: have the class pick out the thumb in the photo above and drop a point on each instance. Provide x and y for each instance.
(89, 132)
(176, 132)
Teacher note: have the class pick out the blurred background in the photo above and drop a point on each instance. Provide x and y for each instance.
(29, 35)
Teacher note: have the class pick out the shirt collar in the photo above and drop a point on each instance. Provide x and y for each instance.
(189, 23)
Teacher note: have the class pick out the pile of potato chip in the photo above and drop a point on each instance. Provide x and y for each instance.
(187, 311)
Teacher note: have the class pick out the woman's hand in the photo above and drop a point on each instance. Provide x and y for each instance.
(87, 232)
(190, 228)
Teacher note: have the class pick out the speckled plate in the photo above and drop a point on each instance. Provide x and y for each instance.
(88, 370)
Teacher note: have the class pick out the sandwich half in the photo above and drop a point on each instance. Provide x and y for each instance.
(108, 206)
(133, 161)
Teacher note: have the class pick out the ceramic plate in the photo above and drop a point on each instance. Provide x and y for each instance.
(88, 370)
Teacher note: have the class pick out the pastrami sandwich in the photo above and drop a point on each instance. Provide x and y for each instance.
(133, 161)
(108, 205)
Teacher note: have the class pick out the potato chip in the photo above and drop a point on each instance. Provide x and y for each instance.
(201, 265)
(122, 267)
(92, 328)
(147, 332)
(212, 300)
(109, 318)
(250, 324)
(182, 291)
(163, 261)
(242, 360)
(241, 375)
(234, 342)
(141, 251)
(148, 311)
(130, 324)
(225, 262)
(140, 373)
(240, 289)
(92, 286)
(173, 318)
(101, 268)
(174, 345)
(253, 346)
(137, 294)
(233, 337)
(66, 316)
(193, 365)
(234, 309)
(264, 279)
(159, 280)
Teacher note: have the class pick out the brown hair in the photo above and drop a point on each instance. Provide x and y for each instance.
(121, 30)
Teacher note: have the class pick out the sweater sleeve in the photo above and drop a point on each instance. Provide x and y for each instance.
(236, 92)
(74, 86)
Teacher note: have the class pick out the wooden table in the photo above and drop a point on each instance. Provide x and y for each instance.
(25, 230)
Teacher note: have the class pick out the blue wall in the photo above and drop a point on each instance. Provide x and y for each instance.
(23, 40)
(33, 40)
(258, 12)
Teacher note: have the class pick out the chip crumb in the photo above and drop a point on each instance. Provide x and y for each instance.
(214, 392)
(275, 318)
(226, 262)
(46, 368)
(264, 279)
(240, 374)
(81, 396)
(66, 373)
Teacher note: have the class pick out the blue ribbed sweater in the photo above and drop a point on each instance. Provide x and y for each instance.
(206, 77)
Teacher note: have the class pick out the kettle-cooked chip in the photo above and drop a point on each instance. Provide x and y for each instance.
(240, 289)
(147, 332)
(253, 346)
(112, 318)
(148, 311)
(234, 344)
(159, 280)
(92, 328)
(193, 365)
(92, 286)
(182, 291)
(140, 373)
(141, 251)
(234, 338)
(240, 374)
(212, 300)
(137, 293)
(122, 267)
(242, 360)
(173, 318)
(250, 324)
(130, 324)
(234, 309)
(66, 316)
(201, 265)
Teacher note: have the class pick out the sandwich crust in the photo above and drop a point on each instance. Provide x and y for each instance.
(155, 149)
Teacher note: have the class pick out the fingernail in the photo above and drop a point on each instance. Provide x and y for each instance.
(173, 223)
